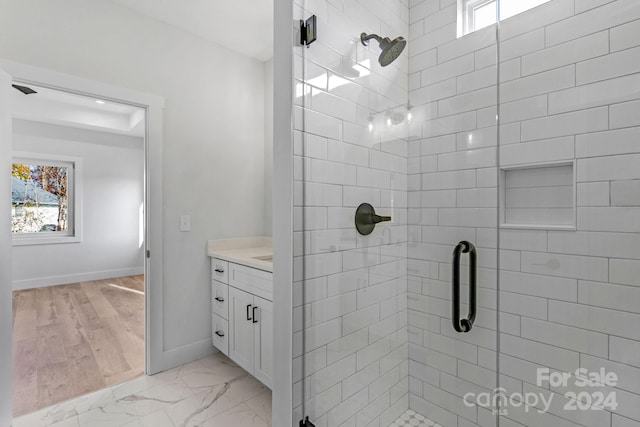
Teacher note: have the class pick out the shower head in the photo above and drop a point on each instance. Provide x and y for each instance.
(391, 49)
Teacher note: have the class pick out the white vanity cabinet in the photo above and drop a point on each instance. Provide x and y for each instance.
(242, 313)
(251, 334)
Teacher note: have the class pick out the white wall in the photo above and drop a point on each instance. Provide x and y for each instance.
(213, 130)
(112, 195)
(268, 146)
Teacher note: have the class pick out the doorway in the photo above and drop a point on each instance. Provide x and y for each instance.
(78, 228)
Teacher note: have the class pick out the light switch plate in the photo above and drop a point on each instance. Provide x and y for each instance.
(185, 222)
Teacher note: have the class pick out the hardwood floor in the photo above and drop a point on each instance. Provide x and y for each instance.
(69, 340)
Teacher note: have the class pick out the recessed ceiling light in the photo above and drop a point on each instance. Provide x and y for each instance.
(99, 101)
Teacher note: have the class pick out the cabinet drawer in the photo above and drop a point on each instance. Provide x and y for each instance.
(252, 280)
(220, 299)
(220, 333)
(220, 270)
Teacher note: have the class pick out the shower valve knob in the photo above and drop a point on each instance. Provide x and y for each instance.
(366, 219)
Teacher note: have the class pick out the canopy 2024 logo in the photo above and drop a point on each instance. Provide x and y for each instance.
(588, 393)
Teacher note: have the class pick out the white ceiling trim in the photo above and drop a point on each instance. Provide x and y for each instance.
(68, 109)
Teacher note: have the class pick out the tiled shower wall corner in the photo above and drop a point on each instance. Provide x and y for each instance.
(568, 299)
(350, 291)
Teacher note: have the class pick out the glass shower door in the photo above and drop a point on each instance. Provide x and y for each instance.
(379, 338)
(547, 197)
(453, 199)
(350, 315)
(570, 208)
(452, 209)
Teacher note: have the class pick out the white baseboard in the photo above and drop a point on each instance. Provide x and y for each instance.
(41, 282)
(182, 355)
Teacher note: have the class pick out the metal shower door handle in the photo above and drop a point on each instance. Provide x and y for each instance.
(463, 325)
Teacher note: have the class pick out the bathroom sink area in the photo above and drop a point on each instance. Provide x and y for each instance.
(256, 252)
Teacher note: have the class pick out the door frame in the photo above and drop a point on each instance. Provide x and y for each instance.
(5, 255)
(284, 397)
(153, 186)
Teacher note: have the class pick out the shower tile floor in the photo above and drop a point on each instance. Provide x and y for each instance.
(413, 419)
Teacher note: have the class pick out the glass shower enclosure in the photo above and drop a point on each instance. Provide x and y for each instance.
(504, 288)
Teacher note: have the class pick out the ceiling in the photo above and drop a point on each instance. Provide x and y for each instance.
(68, 109)
(245, 26)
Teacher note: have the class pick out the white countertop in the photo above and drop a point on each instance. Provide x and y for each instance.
(244, 251)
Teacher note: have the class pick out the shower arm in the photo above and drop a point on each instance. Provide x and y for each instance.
(364, 38)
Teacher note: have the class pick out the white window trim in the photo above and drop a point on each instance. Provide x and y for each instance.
(74, 235)
(466, 9)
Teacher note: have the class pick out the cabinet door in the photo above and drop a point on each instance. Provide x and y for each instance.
(263, 341)
(241, 328)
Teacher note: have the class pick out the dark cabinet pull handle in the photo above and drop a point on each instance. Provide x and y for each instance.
(219, 270)
(220, 334)
(219, 299)
(463, 325)
(248, 312)
(255, 320)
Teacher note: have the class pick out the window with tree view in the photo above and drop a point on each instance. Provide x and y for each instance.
(42, 198)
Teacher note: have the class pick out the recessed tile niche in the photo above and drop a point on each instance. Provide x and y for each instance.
(540, 196)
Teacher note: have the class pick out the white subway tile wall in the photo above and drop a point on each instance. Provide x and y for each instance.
(373, 334)
(351, 131)
(569, 73)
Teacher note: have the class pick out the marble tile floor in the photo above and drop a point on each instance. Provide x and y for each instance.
(210, 392)
(413, 419)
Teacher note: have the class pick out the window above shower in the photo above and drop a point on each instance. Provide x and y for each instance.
(476, 14)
